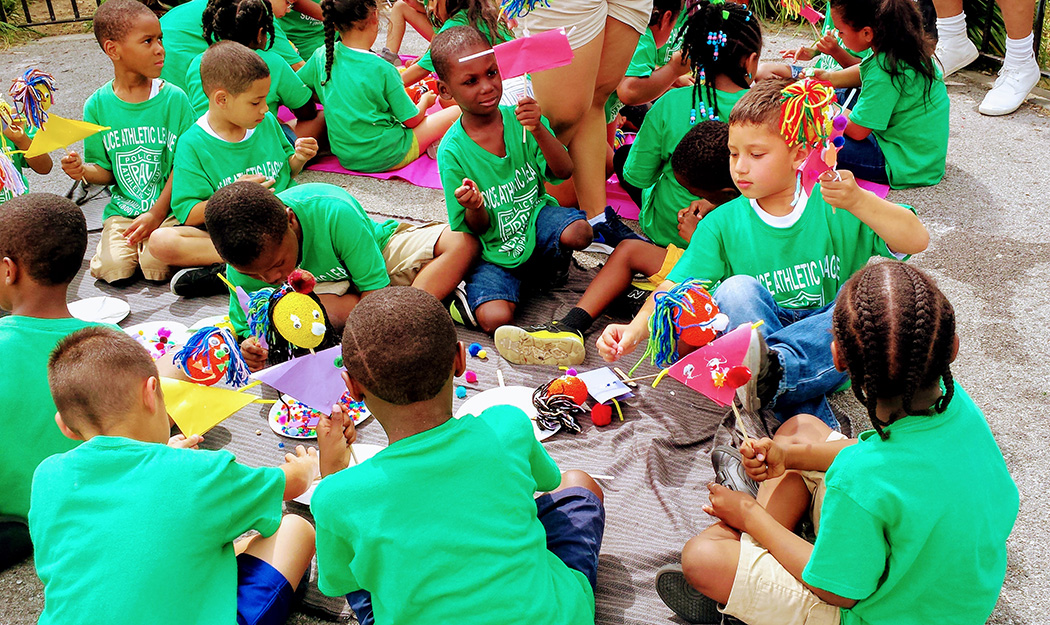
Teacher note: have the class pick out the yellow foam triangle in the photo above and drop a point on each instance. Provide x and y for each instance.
(197, 409)
(59, 132)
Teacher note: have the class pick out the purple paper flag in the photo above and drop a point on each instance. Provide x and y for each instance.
(536, 53)
(312, 379)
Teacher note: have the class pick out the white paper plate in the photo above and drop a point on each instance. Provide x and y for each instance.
(363, 451)
(517, 396)
(360, 413)
(214, 320)
(101, 309)
(146, 333)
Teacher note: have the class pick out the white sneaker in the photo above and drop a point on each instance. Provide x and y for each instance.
(1011, 88)
(954, 54)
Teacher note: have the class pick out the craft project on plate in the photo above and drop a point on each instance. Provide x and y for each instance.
(159, 337)
(289, 317)
(294, 419)
(211, 355)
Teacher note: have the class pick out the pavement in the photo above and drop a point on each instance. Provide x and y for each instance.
(989, 251)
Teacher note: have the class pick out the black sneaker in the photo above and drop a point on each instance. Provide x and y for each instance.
(684, 600)
(459, 310)
(766, 373)
(548, 344)
(199, 281)
(729, 470)
(609, 233)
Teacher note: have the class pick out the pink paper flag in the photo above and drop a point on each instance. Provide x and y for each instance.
(812, 169)
(811, 14)
(536, 53)
(699, 369)
(312, 379)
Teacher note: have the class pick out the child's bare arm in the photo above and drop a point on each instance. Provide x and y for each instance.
(843, 78)
(426, 101)
(309, 8)
(15, 133)
(77, 169)
(558, 159)
(335, 435)
(469, 197)
(147, 222)
(764, 459)
(413, 74)
(619, 340)
(899, 227)
(300, 471)
(641, 89)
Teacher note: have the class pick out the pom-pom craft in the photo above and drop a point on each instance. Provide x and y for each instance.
(33, 93)
(686, 313)
(288, 317)
(294, 419)
(212, 354)
(805, 109)
(554, 410)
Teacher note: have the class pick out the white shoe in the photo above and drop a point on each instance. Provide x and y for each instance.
(954, 54)
(1011, 88)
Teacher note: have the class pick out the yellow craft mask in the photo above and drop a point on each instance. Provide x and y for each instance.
(300, 320)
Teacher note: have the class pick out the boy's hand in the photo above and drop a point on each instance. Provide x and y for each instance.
(335, 434)
(14, 131)
(73, 165)
(842, 192)
(306, 148)
(528, 113)
(690, 216)
(254, 354)
(141, 228)
(617, 340)
(763, 459)
(829, 43)
(180, 441)
(257, 179)
(306, 458)
(469, 196)
(804, 53)
(427, 100)
(730, 506)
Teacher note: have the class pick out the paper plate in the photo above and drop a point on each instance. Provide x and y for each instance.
(363, 451)
(100, 309)
(150, 335)
(214, 320)
(303, 422)
(517, 396)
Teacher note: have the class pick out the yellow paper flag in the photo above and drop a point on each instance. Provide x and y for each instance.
(197, 409)
(59, 132)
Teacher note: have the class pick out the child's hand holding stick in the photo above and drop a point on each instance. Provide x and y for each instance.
(763, 459)
(335, 437)
(528, 114)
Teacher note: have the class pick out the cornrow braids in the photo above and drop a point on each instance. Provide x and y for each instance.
(481, 12)
(341, 15)
(718, 39)
(896, 332)
(240, 21)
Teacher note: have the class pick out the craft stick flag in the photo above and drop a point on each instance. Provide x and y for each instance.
(313, 379)
(536, 53)
(197, 409)
(812, 15)
(59, 132)
(708, 369)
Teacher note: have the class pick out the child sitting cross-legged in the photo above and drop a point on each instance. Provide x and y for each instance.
(322, 229)
(487, 551)
(126, 525)
(494, 162)
(911, 519)
(145, 115)
(701, 167)
(779, 257)
(237, 139)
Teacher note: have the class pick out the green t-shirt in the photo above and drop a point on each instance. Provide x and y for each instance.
(826, 61)
(204, 162)
(27, 429)
(644, 60)
(512, 187)
(910, 124)
(285, 86)
(340, 242)
(480, 557)
(365, 107)
(735, 240)
(144, 533)
(664, 52)
(305, 32)
(139, 147)
(460, 19)
(648, 164)
(18, 161)
(915, 527)
(183, 31)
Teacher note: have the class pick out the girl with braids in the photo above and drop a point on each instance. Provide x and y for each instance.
(373, 125)
(911, 519)
(723, 54)
(898, 130)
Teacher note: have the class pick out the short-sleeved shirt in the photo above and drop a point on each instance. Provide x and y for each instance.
(340, 242)
(204, 162)
(914, 527)
(909, 116)
(139, 147)
(183, 31)
(648, 164)
(365, 107)
(674, 44)
(644, 60)
(145, 531)
(305, 32)
(512, 186)
(826, 61)
(285, 86)
(735, 240)
(27, 428)
(461, 19)
(18, 161)
(480, 556)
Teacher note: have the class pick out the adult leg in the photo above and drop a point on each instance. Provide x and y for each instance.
(433, 127)
(454, 253)
(395, 29)
(954, 48)
(1020, 72)
(183, 246)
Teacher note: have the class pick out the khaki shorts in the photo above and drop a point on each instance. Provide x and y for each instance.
(409, 249)
(763, 590)
(674, 253)
(115, 260)
(583, 20)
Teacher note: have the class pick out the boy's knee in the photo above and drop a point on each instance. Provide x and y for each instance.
(803, 428)
(577, 235)
(163, 245)
(576, 478)
(463, 245)
(297, 528)
(702, 563)
(494, 314)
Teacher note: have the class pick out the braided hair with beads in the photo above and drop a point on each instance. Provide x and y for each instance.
(718, 38)
(896, 331)
(341, 16)
(240, 21)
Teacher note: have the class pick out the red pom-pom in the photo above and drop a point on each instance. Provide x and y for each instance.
(302, 281)
(569, 385)
(601, 414)
(738, 376)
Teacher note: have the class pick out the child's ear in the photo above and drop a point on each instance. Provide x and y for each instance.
(357, 392)
(112, 49)
(667, 20)
(837, 358)
(799, 152)
(444, 92)
(751, 65)
(67, 431)
(867, 34)
(459, 364)
(10, 270)
(219, 97)
(955, 348)
(152, 396)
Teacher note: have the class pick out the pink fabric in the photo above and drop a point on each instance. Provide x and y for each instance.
(422, 172)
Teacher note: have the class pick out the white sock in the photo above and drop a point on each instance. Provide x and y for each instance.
(952, 27)
(597, 220)
(1019, 51)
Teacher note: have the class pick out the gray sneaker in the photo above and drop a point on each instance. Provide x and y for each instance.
(729, 470)
(684, 600)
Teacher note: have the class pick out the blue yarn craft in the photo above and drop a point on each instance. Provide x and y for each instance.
(33, 93)
(212, 354)
(515, 9)
(665, 327)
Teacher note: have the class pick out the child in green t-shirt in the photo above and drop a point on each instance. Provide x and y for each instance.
(829, 51)
(750, 248)
(134, 156)
(494, 162)
(43, 238)
(489, 551)
(126, 525)
(322, 229)
(648, 76)
(304, 26)
(238, 139)
(16, 137)
(911, 519)
(701, 164)
(372, 122)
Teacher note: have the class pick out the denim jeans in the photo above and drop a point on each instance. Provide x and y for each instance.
(801, 338)
(864, 159)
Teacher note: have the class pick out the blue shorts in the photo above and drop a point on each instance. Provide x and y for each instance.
(489, 282)
(264, 596)
(574, 520)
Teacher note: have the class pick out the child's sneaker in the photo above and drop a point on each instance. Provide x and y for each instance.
(766, 373)
(459, 310)
(684, 600)
(729, 470)
(548, 344)
(199, 281)
(389, 57)
(609, 233)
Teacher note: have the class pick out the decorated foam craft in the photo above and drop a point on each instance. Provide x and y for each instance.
(289, 317)
(416, 91)
(33, 94)
(716, 369)
(197, 409)
(558, 409)
(213, 354)
(805, 107)
(686, 313)
(811, 15)
(59, 133)
(824, 159)
(533, 53)
(570, 386)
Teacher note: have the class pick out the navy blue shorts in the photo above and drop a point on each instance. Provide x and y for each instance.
(488, 282)
(264, 596)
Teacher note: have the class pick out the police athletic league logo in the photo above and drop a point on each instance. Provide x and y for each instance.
(137, 171)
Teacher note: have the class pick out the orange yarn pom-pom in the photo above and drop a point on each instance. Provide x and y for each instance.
(569, 385)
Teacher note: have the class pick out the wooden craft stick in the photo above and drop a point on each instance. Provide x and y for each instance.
(353, 455)
(252, 384)
(477, 55)
(499, 377)
(640, 377)
(739, 421)
(626, 379)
